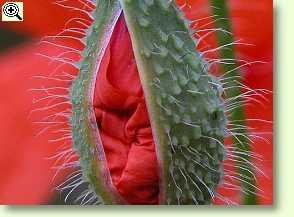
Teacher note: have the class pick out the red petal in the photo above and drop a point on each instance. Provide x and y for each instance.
(124, 124)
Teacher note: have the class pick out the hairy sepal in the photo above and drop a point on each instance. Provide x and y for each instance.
(86, 139)
(184, 102)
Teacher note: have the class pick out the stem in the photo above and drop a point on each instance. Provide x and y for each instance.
(220, 9)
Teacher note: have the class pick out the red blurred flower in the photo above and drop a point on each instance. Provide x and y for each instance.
(26, 174)
(26, 171)
(43, 18)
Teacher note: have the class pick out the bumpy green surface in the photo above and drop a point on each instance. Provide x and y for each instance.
(183, 100)
(86, 140)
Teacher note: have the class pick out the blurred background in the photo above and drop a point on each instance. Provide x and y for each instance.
(26, 172)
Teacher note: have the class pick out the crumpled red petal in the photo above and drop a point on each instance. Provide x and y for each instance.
(123, 122)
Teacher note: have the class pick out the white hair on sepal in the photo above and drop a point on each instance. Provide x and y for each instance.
(51, 112)
(237, 158)
(84, 6)
(75, 189)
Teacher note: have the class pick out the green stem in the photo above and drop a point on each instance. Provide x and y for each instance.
(220, 9)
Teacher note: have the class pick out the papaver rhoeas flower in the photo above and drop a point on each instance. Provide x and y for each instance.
(118, 88)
